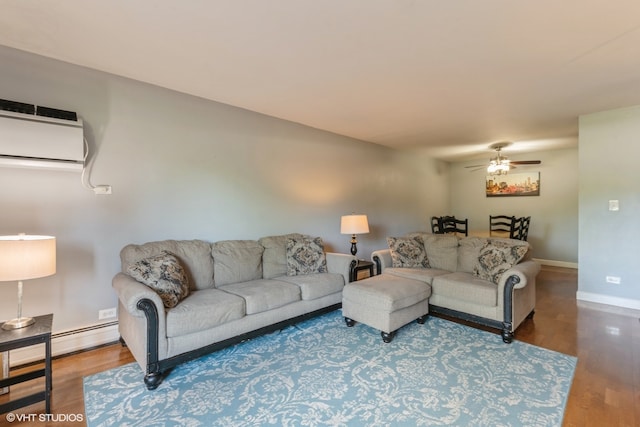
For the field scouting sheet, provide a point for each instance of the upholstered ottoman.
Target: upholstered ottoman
(385, 302)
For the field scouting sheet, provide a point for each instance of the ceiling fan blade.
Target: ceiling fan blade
(476, 166)
(525, 162)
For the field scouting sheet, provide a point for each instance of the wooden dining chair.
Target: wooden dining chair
(435, 225)
(503, 224)
(453, 225)
(523, 228)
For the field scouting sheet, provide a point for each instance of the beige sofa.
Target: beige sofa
(222, 293)
(490, 281)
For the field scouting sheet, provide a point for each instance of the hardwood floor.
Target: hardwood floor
(605, 390)
(606, 340)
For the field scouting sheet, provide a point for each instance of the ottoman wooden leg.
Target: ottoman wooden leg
(422, 319)
(349, 322)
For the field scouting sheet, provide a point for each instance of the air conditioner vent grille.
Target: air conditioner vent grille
(17, 107)
(56, 114)
(21, 107)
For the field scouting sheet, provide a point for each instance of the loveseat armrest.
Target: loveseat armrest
(382, 259)
(525, 271)
(341, 264)
(517, 277)
(130, 292)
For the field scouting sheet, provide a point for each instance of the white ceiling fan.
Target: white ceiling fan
(500, 165)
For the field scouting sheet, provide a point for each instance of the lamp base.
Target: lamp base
(18, 323)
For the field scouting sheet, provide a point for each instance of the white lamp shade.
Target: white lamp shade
(24, 257)
(354, 224)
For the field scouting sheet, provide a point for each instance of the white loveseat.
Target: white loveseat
(490, 281)
(236, 290)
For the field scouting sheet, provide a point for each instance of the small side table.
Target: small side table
(38, 333)
(362, 266)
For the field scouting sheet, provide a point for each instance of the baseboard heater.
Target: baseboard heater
(40, 137)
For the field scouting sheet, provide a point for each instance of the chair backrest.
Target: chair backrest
(435, 225)
(523, 228)
(451, 224)
(503, 224)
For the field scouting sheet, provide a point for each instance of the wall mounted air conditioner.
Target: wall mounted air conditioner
(40, 137)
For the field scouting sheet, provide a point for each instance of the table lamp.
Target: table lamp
(25, 257)
(354, 224)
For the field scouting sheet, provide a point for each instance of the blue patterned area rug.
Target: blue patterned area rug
(320, 372)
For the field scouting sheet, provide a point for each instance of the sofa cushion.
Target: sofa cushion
(164, 274)
(424, 274)
(442, 251)
(468, 253)
(305, 255)
(236, 261)
(408, 252)
(194, 256)
(204, 310)
(313, 286)
(274, 258)
(264, 294)
(466, 287)
(497, 256)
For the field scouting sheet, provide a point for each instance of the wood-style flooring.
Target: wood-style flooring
(606, 340)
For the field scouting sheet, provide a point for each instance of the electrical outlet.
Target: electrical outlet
(107, 313)
(615, 280)
(102, 189)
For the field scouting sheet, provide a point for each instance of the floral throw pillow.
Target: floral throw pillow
(496, 257)
(408, 252)
(305, 255)
(164, 274)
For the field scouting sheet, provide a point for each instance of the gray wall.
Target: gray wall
(182, 167)
(554, 214)
(609, 153)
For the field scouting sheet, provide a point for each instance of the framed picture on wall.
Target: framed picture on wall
(513, 184)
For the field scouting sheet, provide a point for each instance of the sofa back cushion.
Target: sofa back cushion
(236, 261)
(194, 256)
(274, 258)
(441, 249)
(468, 253)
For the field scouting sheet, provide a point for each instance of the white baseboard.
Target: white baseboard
(553, 263)
(68, 342)
(608, 300)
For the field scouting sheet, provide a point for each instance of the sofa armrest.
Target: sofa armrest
(517, 277)
(130, 292)
(525, 271)
(341, 264)
(382, 259)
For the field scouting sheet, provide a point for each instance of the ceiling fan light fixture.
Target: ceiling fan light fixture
(498, 166)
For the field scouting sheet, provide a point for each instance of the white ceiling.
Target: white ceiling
(452, 76)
